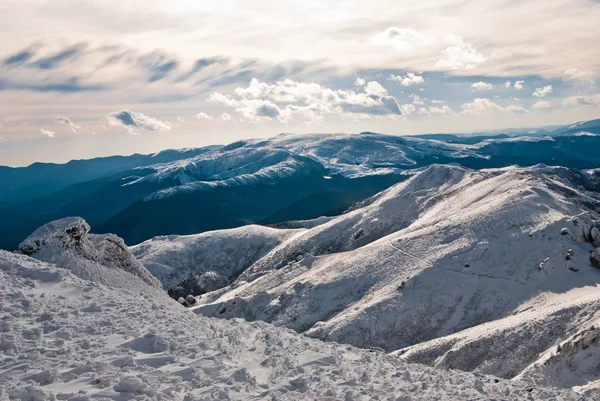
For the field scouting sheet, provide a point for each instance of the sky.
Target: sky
(83, 78)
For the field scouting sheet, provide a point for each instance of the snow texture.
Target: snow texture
(63, 337)
(460, 269)
(227, 252)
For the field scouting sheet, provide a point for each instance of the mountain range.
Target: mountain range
(270, 181)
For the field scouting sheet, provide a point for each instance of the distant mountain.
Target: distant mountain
(289, 177)
(38, 179)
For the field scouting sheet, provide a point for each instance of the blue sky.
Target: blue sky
(80, 78)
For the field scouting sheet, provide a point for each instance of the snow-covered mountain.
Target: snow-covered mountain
(65, 337)
(474, 270)
(288, 177)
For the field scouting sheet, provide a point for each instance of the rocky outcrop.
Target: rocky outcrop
(71, 235)
(595, 258)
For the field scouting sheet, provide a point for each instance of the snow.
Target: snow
(67, 243)
(227, 252)
(448, 251)
(140, 344)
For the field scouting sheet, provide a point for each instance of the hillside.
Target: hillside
(465, 249)
(64, 337)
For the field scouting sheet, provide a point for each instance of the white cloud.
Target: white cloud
(359, 82)
(133, 122)
(417, 99)
(68, 122)
(408, 109)
(542, 104)
(435, 101)
(583, 100)
(403, 39)
(519, 84)
(541, 92)
(204, 116)
(507, 84)
(225, 117)
(574, 74)
(409, 79)
(374, 88)
(483, 106)
(460, 56)
(48, 133)
(480, 86)
(287, 99)
(444, 110)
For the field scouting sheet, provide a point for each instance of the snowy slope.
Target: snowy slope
(63, 337)
(226, 252)
(449, 250)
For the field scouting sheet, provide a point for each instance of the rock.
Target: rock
(190, 299)
(595, 236)
(565, 231)
(595, 258)
(71, 236)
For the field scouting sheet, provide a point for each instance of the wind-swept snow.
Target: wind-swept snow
(448, 250)
(63, 337)
(173, 258)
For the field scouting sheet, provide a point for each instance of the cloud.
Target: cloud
(159, 65)
(359, 82)
(519, 85)
(48, 133)
(133, 122)
(374, 88)
(484, 106)
(480, 86)
(435, 101)
(288, 99)
(204, 116)
(542, 104)
(541, 92)
(225, 117)
(417, 99)
(459, 56)
(439, 111)
(574, 74)
(583, 100)
(409, 79)
(55, 60)
(507, 84)
(403, 39)
(19, 58)
(68, 122)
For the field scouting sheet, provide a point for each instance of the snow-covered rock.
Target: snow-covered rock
(54, 348)
(68, 243)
